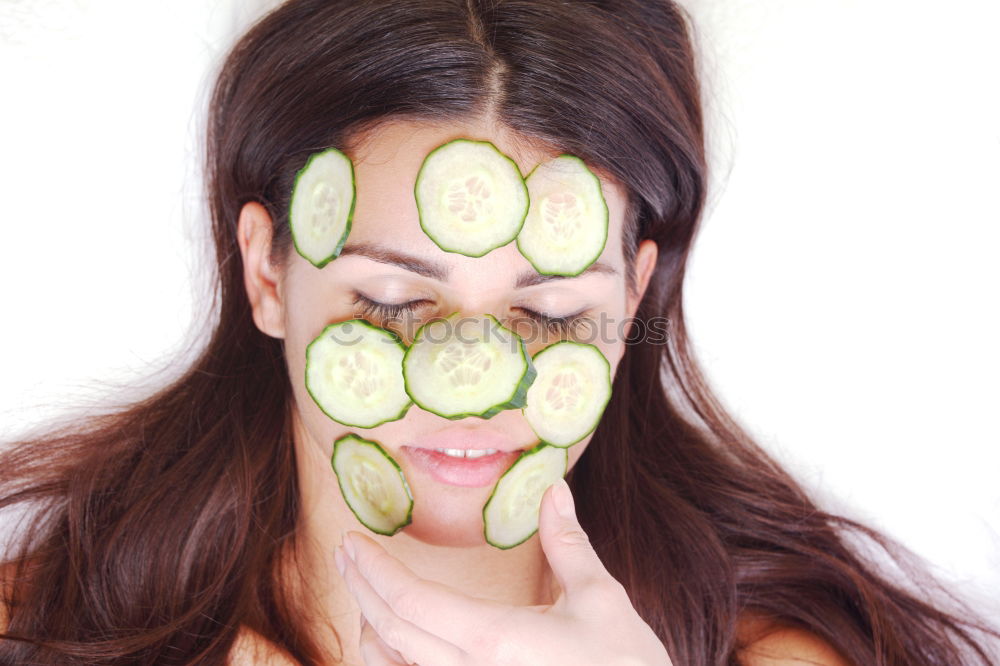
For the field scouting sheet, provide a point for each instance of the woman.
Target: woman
(204, 523)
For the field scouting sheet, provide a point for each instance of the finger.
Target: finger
(374, 650)
(413, 643)
(441, 610)
(567, 547)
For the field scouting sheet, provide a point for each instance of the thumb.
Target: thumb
(567, 547)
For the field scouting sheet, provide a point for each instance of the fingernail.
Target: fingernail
(349, 546)
(563, 498)
(338, 557)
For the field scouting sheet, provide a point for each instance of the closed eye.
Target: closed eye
(383, 313)
(565, 325)
(369, 308)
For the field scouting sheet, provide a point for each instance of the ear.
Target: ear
(260, 277)
(645, 262)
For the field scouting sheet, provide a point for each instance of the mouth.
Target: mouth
(464, 457)
(466, 453)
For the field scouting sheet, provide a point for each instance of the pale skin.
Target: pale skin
(433, 588)
(436, 593)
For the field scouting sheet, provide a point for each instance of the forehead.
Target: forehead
(388, 157)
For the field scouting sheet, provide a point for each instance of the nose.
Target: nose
(484, 284)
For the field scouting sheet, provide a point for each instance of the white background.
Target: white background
(843, 290)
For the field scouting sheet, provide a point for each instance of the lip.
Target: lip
(463, 472)
(465, 439)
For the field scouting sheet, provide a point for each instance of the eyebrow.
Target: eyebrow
(531, 278)
(408, 262)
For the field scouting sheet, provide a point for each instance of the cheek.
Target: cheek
(608, 332)
(319, 427)
(309, 309)
(612, 346)
(300, 330)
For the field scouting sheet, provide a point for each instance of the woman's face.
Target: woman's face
(393, 275)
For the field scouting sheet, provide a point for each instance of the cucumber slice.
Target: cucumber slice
(372, 484)
(322, 206)
(469, 366)
(353, 372)
(567, 223)
(569, 395)
(510, 515)
(471, 198)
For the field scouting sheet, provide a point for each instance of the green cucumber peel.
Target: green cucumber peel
(321, 258)
(512, 190)
(590, 372)
(391, 473)
(328, 403)
(520, 379)
(496, 518)
(531, 239)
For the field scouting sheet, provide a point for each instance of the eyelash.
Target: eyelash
(382, 311)
(563, 326)
(370, 308)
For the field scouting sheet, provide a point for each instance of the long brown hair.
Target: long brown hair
(157, 530)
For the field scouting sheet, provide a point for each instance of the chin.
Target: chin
(446, 516)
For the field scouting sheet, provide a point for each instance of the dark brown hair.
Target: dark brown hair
(156, 530)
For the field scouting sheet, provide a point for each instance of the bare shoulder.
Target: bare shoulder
(779, 645)
(252, 649)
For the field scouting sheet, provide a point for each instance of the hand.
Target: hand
(410, 620)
